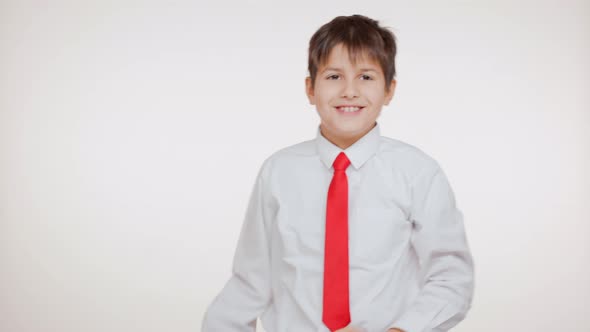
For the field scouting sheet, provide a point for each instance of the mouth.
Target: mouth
(349, 109)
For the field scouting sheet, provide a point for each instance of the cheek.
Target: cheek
(326, 92)
(376, 97)
(324, 101)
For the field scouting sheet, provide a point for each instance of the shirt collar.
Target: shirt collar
(359, 152)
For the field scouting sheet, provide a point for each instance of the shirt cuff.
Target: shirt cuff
(418, 319)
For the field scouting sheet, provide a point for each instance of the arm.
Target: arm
(248, 292)
(447, 271)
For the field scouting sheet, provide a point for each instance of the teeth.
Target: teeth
(349, 109)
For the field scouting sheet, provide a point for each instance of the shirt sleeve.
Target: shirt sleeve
(446, 264)
(247, 293)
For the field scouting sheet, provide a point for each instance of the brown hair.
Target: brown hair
(361, 35)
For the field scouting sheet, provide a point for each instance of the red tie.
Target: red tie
(336, 313)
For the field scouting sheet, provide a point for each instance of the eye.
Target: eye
(367, 77)
(329, 77)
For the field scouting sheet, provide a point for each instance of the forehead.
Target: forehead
(339, 57)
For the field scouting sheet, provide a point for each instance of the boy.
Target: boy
(351, 231)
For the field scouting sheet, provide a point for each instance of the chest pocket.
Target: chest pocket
(378, 234)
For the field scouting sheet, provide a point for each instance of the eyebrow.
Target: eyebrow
(338, 69)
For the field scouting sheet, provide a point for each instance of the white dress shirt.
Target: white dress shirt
(409, 260)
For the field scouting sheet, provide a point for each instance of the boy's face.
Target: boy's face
(340, 83)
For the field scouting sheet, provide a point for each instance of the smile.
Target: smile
(349, 109)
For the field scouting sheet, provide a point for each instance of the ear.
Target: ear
(391, 92)
(309, 90)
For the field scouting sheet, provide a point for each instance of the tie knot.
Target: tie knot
(341, 162)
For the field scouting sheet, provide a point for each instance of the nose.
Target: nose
(350, 89)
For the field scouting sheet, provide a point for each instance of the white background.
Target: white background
(131, 133)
